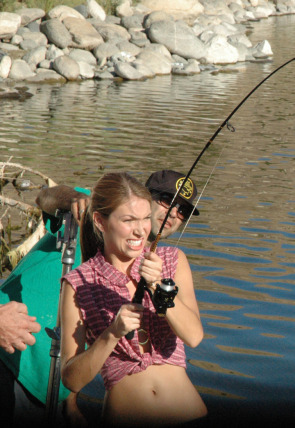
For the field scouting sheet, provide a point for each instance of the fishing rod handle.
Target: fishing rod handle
(139, 292)
(137, 298)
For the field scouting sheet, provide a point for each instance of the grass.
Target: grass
(10, 6)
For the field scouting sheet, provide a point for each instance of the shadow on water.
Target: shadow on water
(241, 248)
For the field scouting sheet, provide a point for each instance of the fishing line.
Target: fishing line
(204, 187)
(139, 293)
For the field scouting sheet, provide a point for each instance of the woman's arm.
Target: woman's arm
(80, 366)
(184, 318)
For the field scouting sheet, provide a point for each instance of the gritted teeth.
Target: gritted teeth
(135, 242)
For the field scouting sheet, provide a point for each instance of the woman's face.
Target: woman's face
(126, 230)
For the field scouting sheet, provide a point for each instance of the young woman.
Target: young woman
(145, 377)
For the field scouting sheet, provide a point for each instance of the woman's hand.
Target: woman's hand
(127, 319)
(151, 268)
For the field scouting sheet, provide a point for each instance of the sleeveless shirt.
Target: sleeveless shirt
(100, 291)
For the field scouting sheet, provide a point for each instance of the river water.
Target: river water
(241, 247)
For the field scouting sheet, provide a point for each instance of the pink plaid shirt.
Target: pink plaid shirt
(101, 291)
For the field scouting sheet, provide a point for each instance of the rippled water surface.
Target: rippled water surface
(242, 247)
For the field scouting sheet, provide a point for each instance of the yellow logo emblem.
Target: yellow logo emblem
(188, 188)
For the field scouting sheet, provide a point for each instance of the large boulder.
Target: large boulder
(62, 12)
(67, 67)
(5, 65)
(178, 38)
(180, 9)
(56, 33)
(219, 51)
(20, 70)
(83, 34)
(9, 24)
(126, 71)
(95, 10)
(30, 14)
(110, 31)
(155, 61)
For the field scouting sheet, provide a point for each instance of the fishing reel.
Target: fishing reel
(164, 295)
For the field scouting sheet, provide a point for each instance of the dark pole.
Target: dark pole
(68, 245)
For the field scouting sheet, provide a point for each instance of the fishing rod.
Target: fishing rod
(139, 293)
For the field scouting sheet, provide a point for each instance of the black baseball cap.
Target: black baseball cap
(168, 181)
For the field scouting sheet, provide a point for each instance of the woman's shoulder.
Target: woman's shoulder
(81, 274)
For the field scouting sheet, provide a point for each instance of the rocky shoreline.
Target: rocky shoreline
(152, 38)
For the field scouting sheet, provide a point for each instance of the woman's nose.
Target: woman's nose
(139, 228)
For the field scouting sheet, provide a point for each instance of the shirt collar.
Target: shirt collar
(112, 274)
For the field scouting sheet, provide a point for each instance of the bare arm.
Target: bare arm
(64, 198)
(184, 318)
(79, 367)
(16, 327)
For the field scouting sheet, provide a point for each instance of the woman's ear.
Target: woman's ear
(98, 220)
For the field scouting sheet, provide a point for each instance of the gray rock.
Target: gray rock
(262, 50)
(110, 31)
(34, 26)
(86, 70)
(56, 33)
(158, 48)
(188, 69)
(16, 40)
(22, 30)
(111, 19)
(62, 12)
(47, 64)
(46, 76)
(53, 52)
(67, 67)
(9, 24)
(81, 8)
(35, 56)
(27, 45)
(139, 38)
(129, 48)
(20, 70)
(5, 65)
(30, 14)
(242, 51)
(124, 9)
(158, 63)
(219, 51)
(83, 56)
(105, 50)
(126, 71)
(184, 9)
(95, 10)
(122, 57)
(178, 38)
(8, 47)
(134, 21)
(240, 38)
(39, 38)
(84, 35)
(103, 75)
(158, 15)
(143, 68)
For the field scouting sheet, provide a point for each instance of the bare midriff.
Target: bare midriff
(159, 395)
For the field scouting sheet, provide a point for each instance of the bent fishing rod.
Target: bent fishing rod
(139, 293)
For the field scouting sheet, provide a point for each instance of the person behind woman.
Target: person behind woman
(145, 377)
